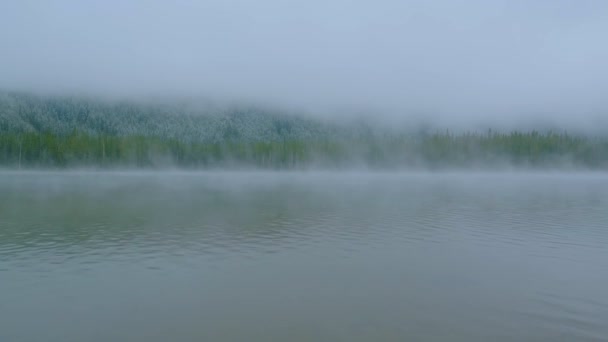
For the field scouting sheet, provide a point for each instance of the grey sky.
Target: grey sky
(448, 58)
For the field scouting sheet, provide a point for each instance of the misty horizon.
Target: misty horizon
(460, 63)
(303, 170)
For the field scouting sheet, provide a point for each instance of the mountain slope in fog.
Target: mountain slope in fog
(40, 131)
(62, 115)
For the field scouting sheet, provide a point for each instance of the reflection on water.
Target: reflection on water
(303, 257)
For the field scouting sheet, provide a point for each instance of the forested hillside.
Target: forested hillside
(59, 132)
(21, 112)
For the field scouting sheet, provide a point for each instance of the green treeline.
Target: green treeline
(439, 150)
(83, 150)
(63, 131)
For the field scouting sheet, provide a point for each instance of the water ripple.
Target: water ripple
(525, 251)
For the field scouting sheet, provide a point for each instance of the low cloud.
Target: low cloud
(457, 62)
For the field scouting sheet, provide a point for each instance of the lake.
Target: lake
(321, 256)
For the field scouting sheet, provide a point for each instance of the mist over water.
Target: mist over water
(328, 256)
(396, 235)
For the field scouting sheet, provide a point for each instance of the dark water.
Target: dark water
(303, 257)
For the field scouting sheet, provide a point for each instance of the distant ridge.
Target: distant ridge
(59, 131)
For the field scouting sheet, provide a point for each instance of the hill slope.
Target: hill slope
(38, 131)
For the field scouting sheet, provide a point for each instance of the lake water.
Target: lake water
(242, 256)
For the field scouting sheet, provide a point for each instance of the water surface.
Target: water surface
(303, 257)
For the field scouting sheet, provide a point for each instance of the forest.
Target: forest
(64, 132)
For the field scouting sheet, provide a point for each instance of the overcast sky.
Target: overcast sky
(448, 58)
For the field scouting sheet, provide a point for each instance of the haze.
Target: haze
(456, 61)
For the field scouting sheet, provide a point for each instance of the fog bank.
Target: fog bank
(456, 62)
